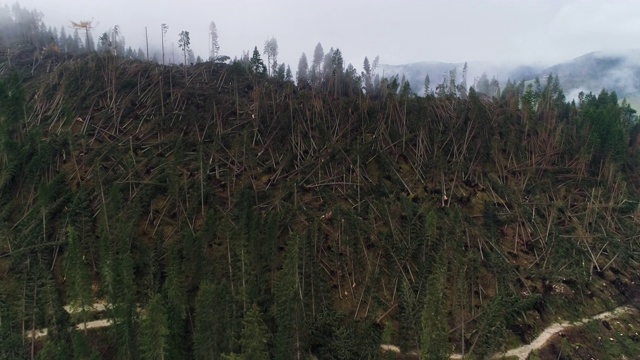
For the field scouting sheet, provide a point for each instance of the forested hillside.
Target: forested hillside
(219, 212)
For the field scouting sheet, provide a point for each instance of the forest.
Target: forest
(222, 210)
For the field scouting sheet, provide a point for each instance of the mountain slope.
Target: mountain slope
(250, 214)
(592, 72)
(619, 72)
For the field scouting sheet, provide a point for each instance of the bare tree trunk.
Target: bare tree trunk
(146, 37)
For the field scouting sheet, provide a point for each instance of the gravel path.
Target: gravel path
(96, 324)
(523, 351)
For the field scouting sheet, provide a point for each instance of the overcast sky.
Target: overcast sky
(399, 31)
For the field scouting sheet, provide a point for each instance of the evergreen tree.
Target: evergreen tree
(271, 50)
(215, 322)
(255, 336)
(177, 304)
(256, 65)
(81, 347)
(427, 83)
(288, 76)
(184, 42)
(154, 329)
(117, 272)
(315, 74)
(280, 74)
(78, 277)
(325, 79)
(462, 87)
(214, 47)
(318, 57)
(435, 343)
(337, 64)
(303, 71)
(371, 80)
(62, 40)
(482, 85)
(289, 337)
(366, 75)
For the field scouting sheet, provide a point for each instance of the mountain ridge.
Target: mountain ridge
(590, 72)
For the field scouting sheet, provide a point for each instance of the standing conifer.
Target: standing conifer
(289, 337)
(78, 278)
(256, 64)
(214, 321)
(214, 47)
(303, 71)
(435, 343)
(255, 336)
(154, 329)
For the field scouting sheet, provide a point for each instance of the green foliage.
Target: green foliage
(334, 336)
(11, 340)
(254, 339)
(154, 329)
(256, 64)
(78, 277)
(82, 348)
(215, 322)
(608, 128)
(289, 337)
(501, 312)
(434, 342)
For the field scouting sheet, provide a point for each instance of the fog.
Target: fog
(403, 31)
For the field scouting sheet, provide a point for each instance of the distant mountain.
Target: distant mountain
(592, 72)
(619, 72)
(415, 73)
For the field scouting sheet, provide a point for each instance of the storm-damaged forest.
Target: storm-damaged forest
(222, 210)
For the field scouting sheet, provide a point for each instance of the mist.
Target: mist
(400, 32)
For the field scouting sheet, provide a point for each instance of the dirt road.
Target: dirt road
(523, 351)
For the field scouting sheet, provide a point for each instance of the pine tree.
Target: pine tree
(214, 47)
(255, 336)
(271, 50)
(78, 277)
(302, 76)
(256, 65)
(154, 329)
(287, 308)
(215, 321)
(427, 83)
(183, 43)
(316, 65)
(435, 343)
(337, 63)
(288, 75)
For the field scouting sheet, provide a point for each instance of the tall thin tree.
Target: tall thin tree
(184, 43)
(271, 50)
(146, 38)
(163, 28)
(214, 47)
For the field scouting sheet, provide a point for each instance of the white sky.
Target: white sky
(399, 31)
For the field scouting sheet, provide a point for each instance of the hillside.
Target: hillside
(221, 211)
